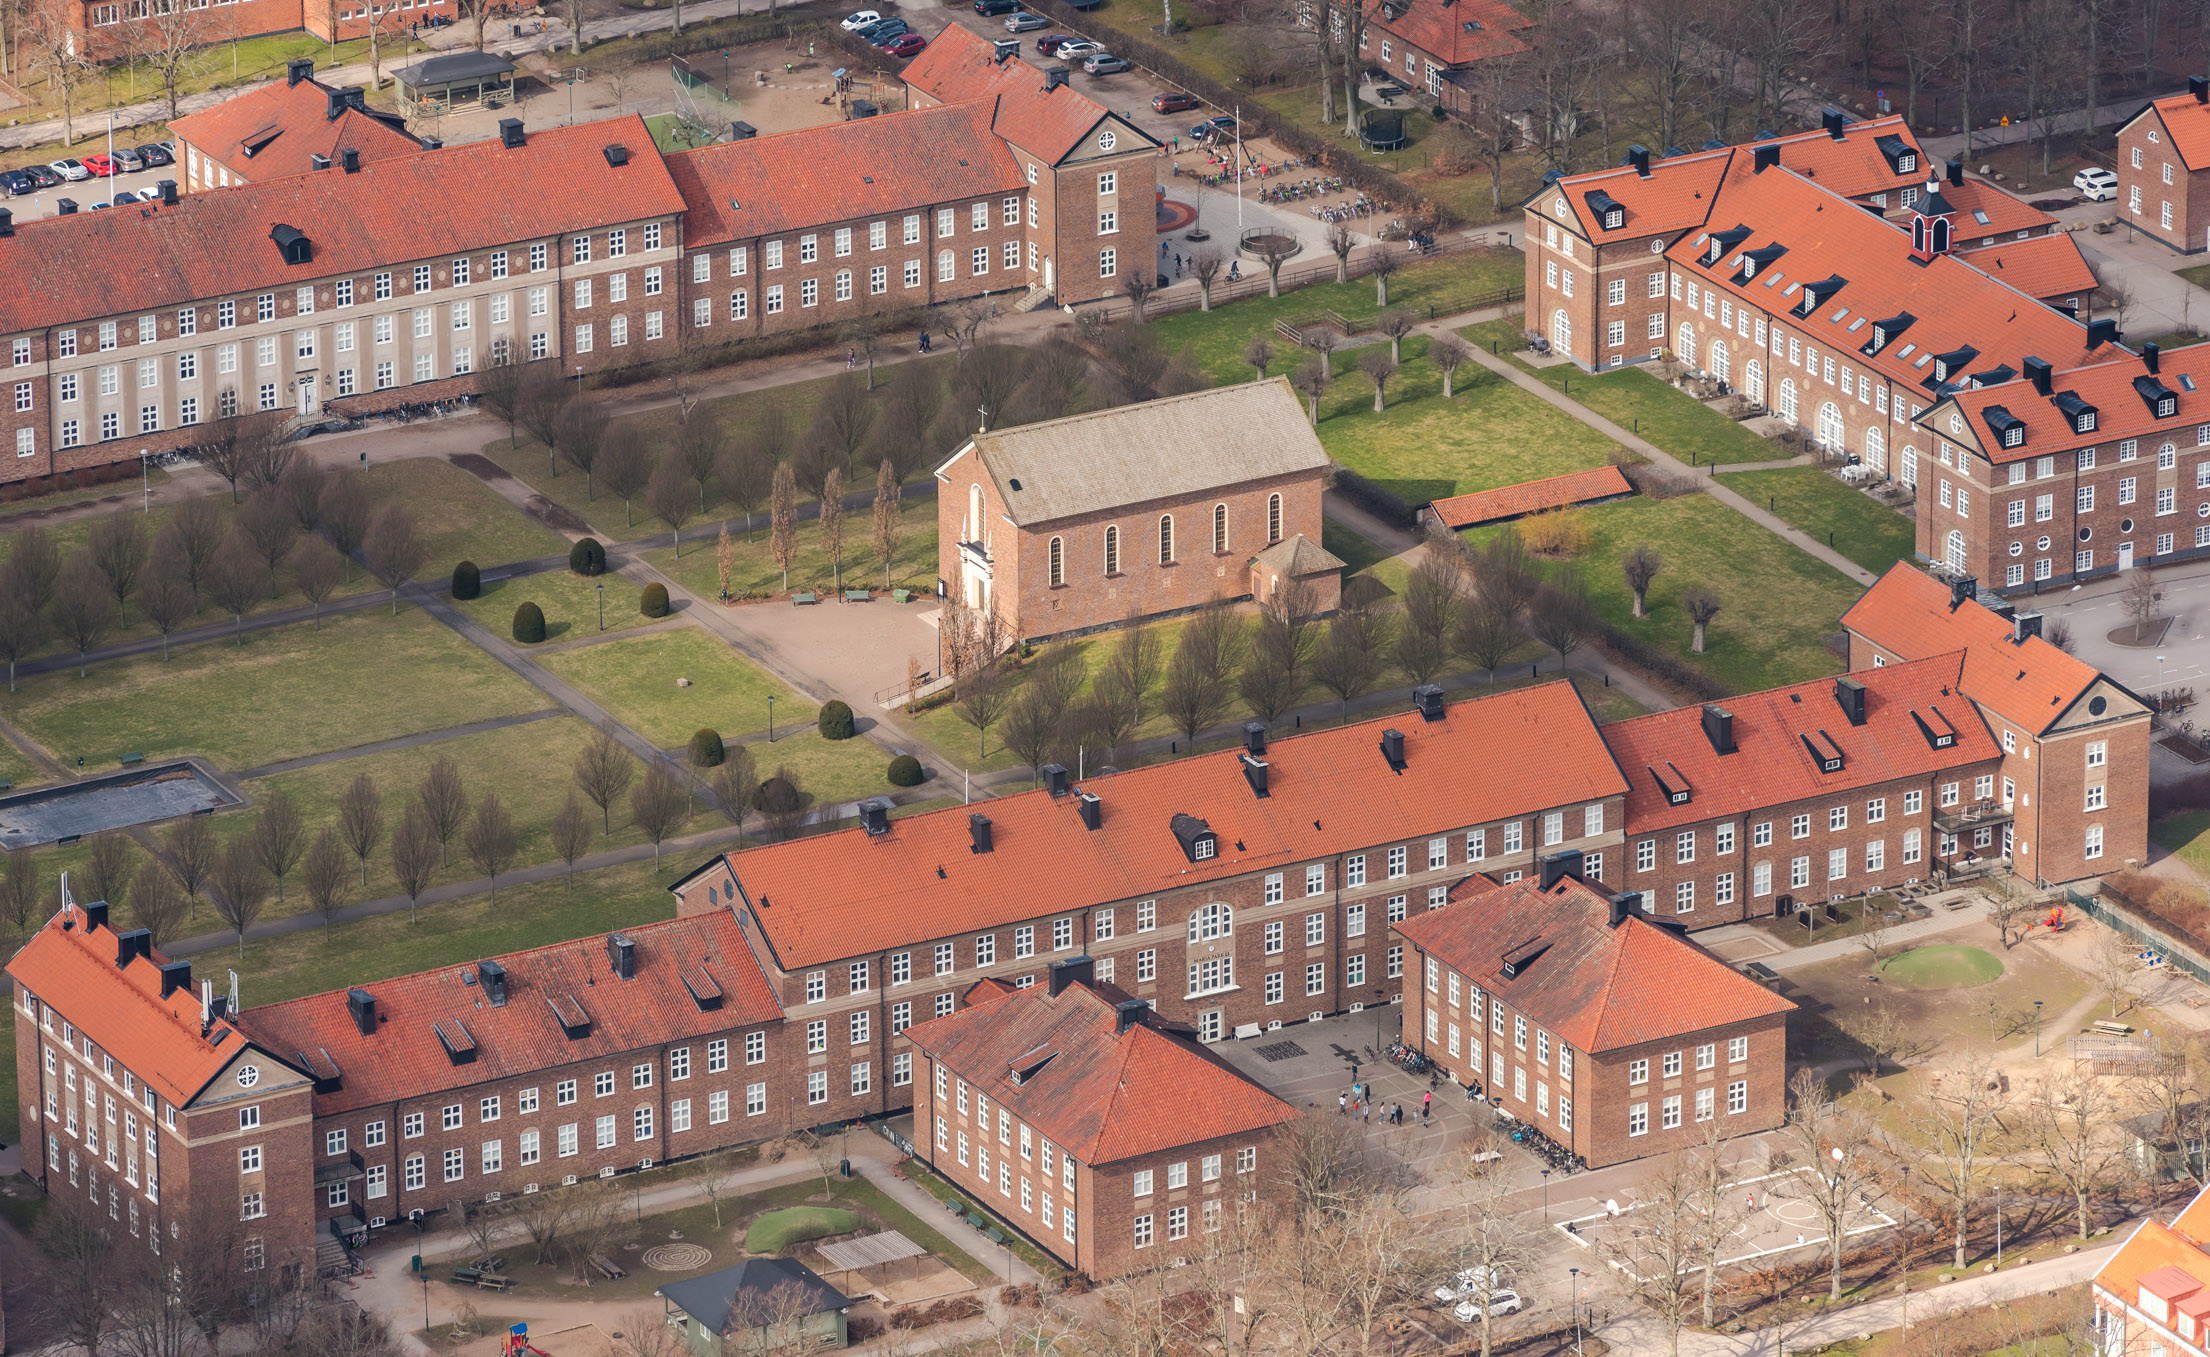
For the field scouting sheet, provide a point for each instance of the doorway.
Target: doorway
(308, 405)
(2125, 556)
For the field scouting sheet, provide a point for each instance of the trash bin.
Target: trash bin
(415, 1264)
(845, 1168)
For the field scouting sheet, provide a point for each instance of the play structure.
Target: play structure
(518, 1344)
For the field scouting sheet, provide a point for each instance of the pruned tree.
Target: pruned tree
(443, 798)
(241, 886)
(328, 877)
(783, 802)
(190, 848)
(490, 840)
(361, 819)
(1378, 368)
(1259, 353)
(1311, 381)
(658, 806)
(1205, 266)
(1273, 250)
(604, 771)
(415, 853)
(1341, 241)
(1323, 341)
(1702, 605)
(393, 551)
(1396, 323)
(156, 904)
(1383, 265)
(1641, 565)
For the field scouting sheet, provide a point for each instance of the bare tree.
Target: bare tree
(832, 522)
(580, 428)
(735, 782)
(544, 1217)
(242, 887)
(1657, 1248)
(1831, 1143)
(699, 442)
(1311, 380)
(1874, 939)
(20, 892)
(2111, 963)
(2074, 1119)
(415, 853)
(444, 801)
(2170, 1085)
(279, 837)
(1259, 353)
(1950, 1133)
(176, 37)
(659, 806)
(345, 515)
(499, 388)
(190, 846)
(782, 531)
(393, 551)
(316, 568)
(491, 840)
(1379, 368)
(1030, 728)
(1273, 251)
(670, 496)
(1562, 615)
(23, 630)
(361, 819)
(1641, 565)
(624, 467)
(34, 566)
(1701, 605)
(1341, 241)
(2142, 600)
(1449, 353)
(118, 548)
(83, 611)
(540, 398)
(79, 1273)
(983, 694)
(1348, 661)
(571, 832)
(604, 770)
(156, 904)
(888, 494)
(1323, 341)
(742, 475)
(1383, 265)
(328, 877)
(783, 802)
(1135, 662)
(1205, 266)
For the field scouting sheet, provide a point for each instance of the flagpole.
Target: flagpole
(1238, 167)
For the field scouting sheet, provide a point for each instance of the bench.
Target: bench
(995, 1236)
(607, 1267)
(857, 596)
(466, 1276)
(2112, 1029)
(901, 596)
(132, 757)
(800, 600)
(491, 1283)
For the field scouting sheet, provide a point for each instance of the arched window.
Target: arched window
(1112, 551)
(974, 512)
(1058, 561)
(1211, 921)
(1753, 381)
(1830, 425)
(1909, 474)
(1219, 529)
(1876, 448)
(1561, 332)
(1166, 539)
(1956, 550)
(1788, 399)
(1686, 347)
(1273, 519)
(1721, 365)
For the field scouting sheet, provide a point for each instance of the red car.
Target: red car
(1173, 103)
(908, 46)
(1051, 42)
(99, 164)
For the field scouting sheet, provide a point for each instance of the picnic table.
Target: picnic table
(607, 1267)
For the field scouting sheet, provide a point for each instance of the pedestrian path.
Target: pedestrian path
(1896, 936)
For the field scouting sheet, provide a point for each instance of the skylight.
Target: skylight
(1905, 351)
(1979, 216)
(2186, 382)
(1841, 314)
(1857, 324)
(1923, 360)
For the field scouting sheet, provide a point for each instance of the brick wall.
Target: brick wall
(2188, 194)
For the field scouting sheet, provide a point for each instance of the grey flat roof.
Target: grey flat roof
(458, 66)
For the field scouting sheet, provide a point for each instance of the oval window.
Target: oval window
(2096, 706)
(2126, 526)
(2041, 544)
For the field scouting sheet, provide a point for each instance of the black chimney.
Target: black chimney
(350, 160)
(1556, 867)
(1639, 157)
(175, 975)
(1962, 591)
(2199, 86)
(1254, 772)
(1092, 810)
(1719, 729)
(362, 1005)
(1765, 158)
(136, 943)
(1955, 170)
(65, 207)
(978, 828)
(1127, 1013)
(1392, 749)
(492, 976)
(621, 956)
(2039, 373)
(1428, 697)
(874, 814)
(1624, 904)
(7, 222)
(1851, 695)
(1055, 778)
(1834, 120)
(2024, 626)
(296, 71)
(95, 915)
(510, 132)
(2148, 355)
(2101, 332)
(1079, 970)
(1254, 737)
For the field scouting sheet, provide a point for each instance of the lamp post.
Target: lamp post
(1576, 1307)
(145, 480)
(1546, 1196)
(2037, 1027)
(421, 1271)
(1998, 1223)
(602, 605)
(771, 718)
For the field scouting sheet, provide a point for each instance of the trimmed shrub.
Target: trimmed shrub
(1382, 504)
(587, 557)
(653, 602)
(529, 624)
(836, 721)
(467, 580)
(706, 749)
(905, 771)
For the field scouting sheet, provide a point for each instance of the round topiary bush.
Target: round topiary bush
(836, 721)
(467, 580)
(587, 557)
(654, 601)
(905, 771)
(706, 748)
(529, 624)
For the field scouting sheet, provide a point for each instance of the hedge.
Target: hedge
(653, 602)
(835, 722)
(706, 748)
(529, 624)
(467, 580)
(1383, 504)
(1666, 666)
(905, 771)
(587, 557)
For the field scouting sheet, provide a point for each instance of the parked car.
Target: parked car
(867, 31)
(1052, 42)
(44, 176)
(991, 9)
(71, 170)
(1074, 49)
(1104, 63)
(99, 164)
(1467, 1284)
(2096, 185)
(1025, 22)
(888, 36)
(18, 183)
(859, 20)
(1222, 126)
(156, 155)
(1175, 102)
(128, 161)
(908, 45)
(126, 196)
(886, 31)
(1500, 1303)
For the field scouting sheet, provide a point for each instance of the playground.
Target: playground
(1768, 1215)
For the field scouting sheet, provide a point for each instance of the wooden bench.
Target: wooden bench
(995, 1236)
(857, 596)
(132, 757)
(466, 1276)
(2112, 1029)
(491, 1283)
(800, 600)
(607, 1266)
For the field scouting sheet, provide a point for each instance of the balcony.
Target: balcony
(1978, 815)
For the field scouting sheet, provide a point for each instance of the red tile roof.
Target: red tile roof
(1456, 32)
(2050, 266)
(420, 206)
(2006, 216)
(1049, 124)
(277, 130)
(680, 963)
(2121, 411)
(1599, 986)
(121, 1010)
(1907, 613)
(1552, 492)
(1058, 1063)
(898, 162)
(2168, 1260)
(2187, 123)
(849, 893)
(1773, 764)
(1674, 196)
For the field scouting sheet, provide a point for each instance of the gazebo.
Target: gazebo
(456, 81)
(870, 1251)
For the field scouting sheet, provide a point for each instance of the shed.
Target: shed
(771, 1303)
(456, 81)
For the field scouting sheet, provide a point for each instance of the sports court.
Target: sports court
(1782, 1220)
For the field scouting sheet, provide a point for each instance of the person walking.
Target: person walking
(1427, 1101)
(1342, 1103)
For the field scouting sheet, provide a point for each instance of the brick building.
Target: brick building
(293, 126)
(1128, 1143)
(2163, 168)
(1798, 795)
(2073, 782)
(2152, 1298)
(110, 29)
(1433, 45)
(1610, 1032)
(1069, 525)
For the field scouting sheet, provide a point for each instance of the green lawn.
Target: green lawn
(19, 771)
(635, 680)
(777, 1231)
(1777, 601)
(570, 603)
(289, 691)
(2187, 835)
(754, 573)
(124, 491)
(833, 772)
(1861, 527)
(458, 517)
(1636, 401)
(1945, 966)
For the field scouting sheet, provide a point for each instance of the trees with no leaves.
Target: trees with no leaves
(23, 630)
(782, 529)
(888, 495)
(2074, 1120)
(393, 550)
(328, 877)
(1259, 353)
(118, 548)
(1950, 1135)
(190, 845)
(415, 852)
(1832, 1142)
(361, 819)
(156, 904)
(832, 522)
(984, 692)
(19, 890)
(571, 832)
(735, 782)
(1311, 381)
(108, 866)
(443, 800)
(670, 495)
(604, 771)
(1348, 661)
(1701, 605)
(1640, 565)
(241, 886)
(346, 510)
(659, 806)
(279, 837)
(233, 581)
(491, 840)
(1449, 353)
(1563, 614)
(1378, 367)
(580, 428)
(316, 568)
(83, 611)
(624, 467)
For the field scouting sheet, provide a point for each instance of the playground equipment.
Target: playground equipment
(518, 1344)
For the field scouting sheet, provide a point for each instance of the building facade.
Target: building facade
(1611, 1033)
(1070, 525)
(2163, 169)
(292, 126)
(2152, 1299)
(1433, 46)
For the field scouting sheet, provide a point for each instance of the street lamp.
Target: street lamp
(145, 478)
(602, 605)
(2037, 1027)
(1576, 1307)
(1998, 1223)
(771, 718)
(1546, 1196)
(423, 1272)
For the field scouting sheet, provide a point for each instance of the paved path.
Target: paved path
(1728, 469)
(1789, 957)
(403, 742)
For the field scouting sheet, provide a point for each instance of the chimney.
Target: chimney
(492, 976)
(318, 161)
(1851, 695)
(7, 222)
(1624, 904)
(433, 143)
(95, 915)
(978, 829)
(350, 159)
(296, 71)
(1428, 698)
(1955, 170)
(1054, 78)
(2101, 332)
(136, 943)
(2023, 626)
(2199, 86)
(1962, 591)
(1639, 157)
(617, 156)
(1556, 867)
(1127, 1013)
(510, 132)
(1092, 810)
(1254, 772)
(1766, 157)
(334, 105)
(1719, 729)
(362, 1005)
(1254, 737)
(175, 975)
(356, 97)
(2039, 373)
(742, 131)
(1078, 970)
(168, 192)
(65, 207)
(874, 815)
(621, 956)
(1392, 749)
(1055, 779)
(1833, 120)
(2149, 356)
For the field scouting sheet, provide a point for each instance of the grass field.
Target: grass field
(1946, 966)
(570, 603)
(635, 680)
(754, 573)
(776, 1231)
(458, 517)
(2186, 835)
(283, 693)
(1861, 527)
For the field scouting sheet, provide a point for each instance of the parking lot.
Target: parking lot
(85, 192)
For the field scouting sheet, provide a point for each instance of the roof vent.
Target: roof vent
(1556, 867)
(1624, 904)
(1055, 779)
(168, 192)
(617, 156)
(510, 133)
(1254, 772)
(1851, 695)
(1128, 1013)
(1092, 810)
(1392, 749)
(132, 945)
(296, 71)
(1196, 837)
(293, 242)
(350, 160)
(177, 975)
(1003, 50)
(1962, 590)
(1719, 729)
(741, 131)
(978, 830)
(621, 956)
(318, 161)
(492, 976)
(1428, 698)
(452, 1034)
(1254, 737)
(1078, 970)
(1055, 77)
(874, 814)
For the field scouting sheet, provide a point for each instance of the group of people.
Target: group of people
(1357, 1102)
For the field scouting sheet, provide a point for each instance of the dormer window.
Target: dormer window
(2009, 430)
(2077, 413)
(1197, 839)
(1815, 294)
(1949, 366)
(1719, 242)
(1610, 213)
(2163, 402)
(1902, 157)
(1884, 332)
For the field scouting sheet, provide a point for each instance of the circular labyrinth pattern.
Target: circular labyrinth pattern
(1793, 1212)
(677, 1257)
(1174, 216)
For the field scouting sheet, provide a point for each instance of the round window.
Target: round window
(2017, 548)
(1558, 208)
(1106, 140)
(248, 1075)
(2041, 544)
(2096, 706)
(2087, 534)
(2202, 510)
(2126, 526)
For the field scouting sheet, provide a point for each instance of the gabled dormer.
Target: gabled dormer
(2009, 429)
(1757, 261)
(1719, 242)
(1931, 223)
(1950, 366)
(1884, 332)
(1815, 294)
(1994, 376)
(2077, 413)
(1610, 213)
(2163, 402)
